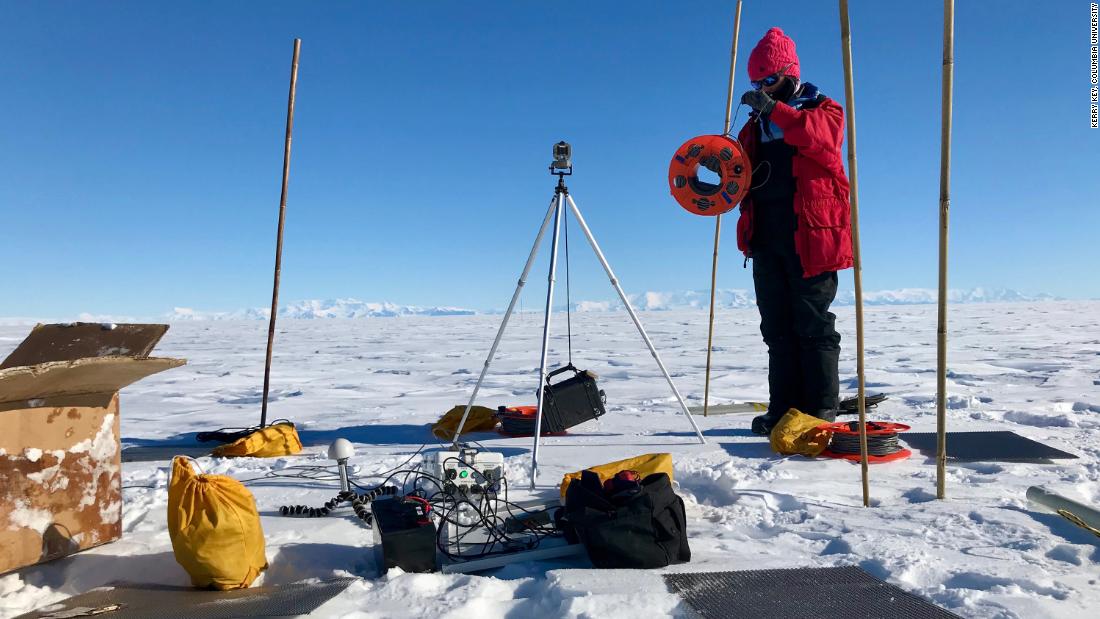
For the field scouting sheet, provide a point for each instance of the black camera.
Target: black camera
(563, 159)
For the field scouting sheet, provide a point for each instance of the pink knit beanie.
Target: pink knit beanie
(771, 54)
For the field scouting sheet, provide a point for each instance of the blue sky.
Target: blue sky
(142, 145)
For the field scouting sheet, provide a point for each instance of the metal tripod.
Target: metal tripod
(557, 210)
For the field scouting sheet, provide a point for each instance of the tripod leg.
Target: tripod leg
(558, 212)
(508, 314)
(633, 315)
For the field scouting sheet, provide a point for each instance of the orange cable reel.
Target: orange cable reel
(720, 154)
(875, 429)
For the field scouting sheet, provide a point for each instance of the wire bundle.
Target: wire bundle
(360, 503)
(517, 424)
(490, 513)
(486, 512)
(877, 444)
(882, 441)
(229, 435)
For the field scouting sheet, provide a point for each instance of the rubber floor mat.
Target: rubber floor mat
(163, 452)
(160, 602)
(996, 446)
(802, 593)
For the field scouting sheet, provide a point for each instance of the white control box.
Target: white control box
(468, 471)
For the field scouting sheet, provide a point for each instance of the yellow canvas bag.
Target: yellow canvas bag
(645, 465)
(481, 419)
(215, 528)
(799, 433)
(277, 439)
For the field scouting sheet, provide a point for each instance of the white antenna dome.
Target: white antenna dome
(340, 449)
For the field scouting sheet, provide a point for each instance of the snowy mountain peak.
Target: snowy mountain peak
(731, 298)
(317, 309)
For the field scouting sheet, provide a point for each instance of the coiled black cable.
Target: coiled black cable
(879, 444)
(360, 504)
(515, 425)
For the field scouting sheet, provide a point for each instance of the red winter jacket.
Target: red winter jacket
(823, 239)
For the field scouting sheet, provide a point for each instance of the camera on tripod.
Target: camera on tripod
(563, 159)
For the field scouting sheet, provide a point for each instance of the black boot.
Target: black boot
(763, 424)
(826, 414)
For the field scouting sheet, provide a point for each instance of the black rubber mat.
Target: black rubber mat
(164, 452)
(803, 593)
(152, 601)
(996, 446)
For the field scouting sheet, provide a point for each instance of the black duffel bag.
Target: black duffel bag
(643, 529)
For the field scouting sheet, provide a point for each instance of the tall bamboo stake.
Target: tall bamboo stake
(849, 94)
(279, 233)
(945, 208)
(718, 219)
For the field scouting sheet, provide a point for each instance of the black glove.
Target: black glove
(759, 101)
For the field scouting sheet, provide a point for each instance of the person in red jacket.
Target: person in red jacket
(795, 225)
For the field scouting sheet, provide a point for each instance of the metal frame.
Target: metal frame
(557, 211)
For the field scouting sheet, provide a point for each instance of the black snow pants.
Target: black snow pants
(799, 329)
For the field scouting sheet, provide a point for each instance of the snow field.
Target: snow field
(1033, 368)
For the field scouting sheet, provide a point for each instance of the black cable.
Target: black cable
(309, 473)
(851, 405)
(733, 123)
(493, 533)
(488, 519)
(517, 425)
(407, 460)
(359, 503)
(877, 444)
(324, 473)
(230, 434)
(483, 507)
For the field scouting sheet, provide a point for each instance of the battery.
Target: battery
(403, 536)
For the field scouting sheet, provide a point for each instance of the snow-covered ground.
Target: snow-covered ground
(1033, 368)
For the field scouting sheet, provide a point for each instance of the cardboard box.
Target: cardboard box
(60, 467)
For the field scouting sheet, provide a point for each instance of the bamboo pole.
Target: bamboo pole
(279, 233)
(945, 208)
(718, 218)
(850, 108)
(733, 64)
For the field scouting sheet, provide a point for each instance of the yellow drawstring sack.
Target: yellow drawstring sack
(277, 439)
(481, 419)
(799, 433)
(215, 529)
(645, 465)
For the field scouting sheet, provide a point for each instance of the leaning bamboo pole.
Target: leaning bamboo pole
(945, 208)
(279, 233)
(718, 218)
(850, 108)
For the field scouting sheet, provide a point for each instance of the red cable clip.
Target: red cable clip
(425, 504)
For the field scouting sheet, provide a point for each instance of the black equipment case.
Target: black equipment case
(571, 401)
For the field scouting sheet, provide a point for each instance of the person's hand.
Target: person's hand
(759, 101)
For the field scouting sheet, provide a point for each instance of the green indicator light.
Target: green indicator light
(464, 474)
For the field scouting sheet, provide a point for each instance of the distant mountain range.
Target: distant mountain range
(315, 309)
(646, 301)
(735, 298)
(729, 298)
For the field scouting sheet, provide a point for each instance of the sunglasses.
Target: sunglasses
(772, 79)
